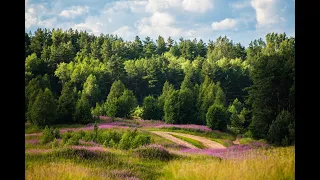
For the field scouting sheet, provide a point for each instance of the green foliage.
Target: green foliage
(166, 90)
(187, 108)
(56, 133)
(83, 112)
(126, 103)
(55, 143)
(43, 110)
(132, 139)
(137, 113)
(98, 110)
(217, 117)
(66, 105)
(280, 131)
(171, 108)
(47, 135)
(150, 108)
(91, 89)
(83, 70)
(273, 77)
(120, 101)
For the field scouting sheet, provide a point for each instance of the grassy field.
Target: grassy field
(275, 163)
(162, 158)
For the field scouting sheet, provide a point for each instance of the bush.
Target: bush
(280, 131)
(57, 133)
(47, 135)
(217, 117)
(153, 152)
(132, 139)
(140, 140)
(55, 143)
(74, 140)
(126, 139)
(71, 138)
(137, 113)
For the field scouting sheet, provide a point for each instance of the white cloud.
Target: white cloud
(161, 19)
(91, 24)
(74, 11)
(240, 4)
(32, 14)
(48, 23)
(160, 5)
(125, 31)
(225, 24)
(197, 5)
(158, 24)
(266, 12)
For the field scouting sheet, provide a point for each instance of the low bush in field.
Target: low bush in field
(55, 143)
(110, 138)
(47, 135)
(71, 138)
(153, 152)
(133, 139)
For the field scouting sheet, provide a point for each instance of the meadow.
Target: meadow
(128, 149)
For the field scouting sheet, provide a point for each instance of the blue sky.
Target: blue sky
(240, 20)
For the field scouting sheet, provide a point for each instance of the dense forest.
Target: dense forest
(72, 77)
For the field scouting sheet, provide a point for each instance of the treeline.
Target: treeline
(71, 76)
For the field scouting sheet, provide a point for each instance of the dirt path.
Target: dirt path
(174, 139)
(237, 141)
(206, 142)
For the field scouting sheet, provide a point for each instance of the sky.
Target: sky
(240, 20)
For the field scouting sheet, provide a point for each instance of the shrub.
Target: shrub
(112, 143)
(217, 117)
(137, 113)
(55, 143)
(126, 139)
(57, 133)
(153, 152)
(47, 135)
(140, 140)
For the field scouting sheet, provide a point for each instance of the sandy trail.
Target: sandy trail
(206, 142)
(174, 139)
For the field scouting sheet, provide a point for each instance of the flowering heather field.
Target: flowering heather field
(162, 159)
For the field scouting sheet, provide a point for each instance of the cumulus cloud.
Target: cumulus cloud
(158, 24)
(197, 5)
(266, 12)
(32, 13)
(91, 24)
(74, 11)
(160, 5)
(125, 31)
(225, 24)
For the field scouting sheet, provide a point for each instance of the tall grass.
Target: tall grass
(275, 163)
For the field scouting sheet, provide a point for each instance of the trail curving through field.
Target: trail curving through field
(205, 141)
(174, 139)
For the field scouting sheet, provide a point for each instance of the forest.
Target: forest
(72, 77)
